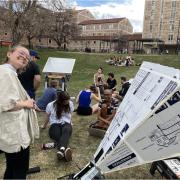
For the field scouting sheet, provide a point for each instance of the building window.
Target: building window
(150, 27)
(162, 8)
(173, 10)
(84, 27)
(173, 14)
(115, 26)
(49, 41)
(111, 26)
(160, 26)
(94, 42)
(170, 37)
(171, 21)
(87, 27)
(152, 13)
(153, 3)
(173, 4)
(153, 7)
(39, 40)
(171, 27)
(5, 33)
(97, 26)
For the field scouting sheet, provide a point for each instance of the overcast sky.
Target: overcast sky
(131, 9)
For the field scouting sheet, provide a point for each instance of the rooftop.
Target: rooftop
(101, 21)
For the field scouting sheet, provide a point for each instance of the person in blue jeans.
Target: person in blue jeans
(84, 99)
(48, 96)
(59, 115)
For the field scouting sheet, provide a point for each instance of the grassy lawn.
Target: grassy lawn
(82, 144)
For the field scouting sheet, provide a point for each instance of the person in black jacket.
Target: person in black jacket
(111, 81)
(124, 89)
(125, 86)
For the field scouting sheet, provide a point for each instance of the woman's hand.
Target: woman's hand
(29, 103)
(43, 126)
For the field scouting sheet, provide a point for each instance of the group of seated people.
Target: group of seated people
(59, 108)
(94, 92)
(99, 80)
(106, 97)
(121, 61)
(105, 106)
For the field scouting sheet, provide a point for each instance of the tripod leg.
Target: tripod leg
(33, 170)
(153, 168)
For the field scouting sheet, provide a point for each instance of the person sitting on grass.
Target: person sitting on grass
(110, 61)
(59, 114)
(111, 81)
(48, 96)
(125, 86)
(84, 99)
(106, 112)
(99, 79)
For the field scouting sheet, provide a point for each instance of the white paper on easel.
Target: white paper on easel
(59, 65)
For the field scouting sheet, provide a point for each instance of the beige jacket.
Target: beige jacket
(17, 128)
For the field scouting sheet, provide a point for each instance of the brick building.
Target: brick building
(101, 35)
(162, 24)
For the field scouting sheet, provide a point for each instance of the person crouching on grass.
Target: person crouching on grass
(59, 116)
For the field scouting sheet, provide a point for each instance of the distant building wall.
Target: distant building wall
(105, 27)
(162, 20)
(98, 35)
(95, 45)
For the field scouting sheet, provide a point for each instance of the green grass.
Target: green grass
(82, 144)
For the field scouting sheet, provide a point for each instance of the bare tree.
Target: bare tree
(35, 23)
(27, 19)
(63, 26)
(21, 19)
